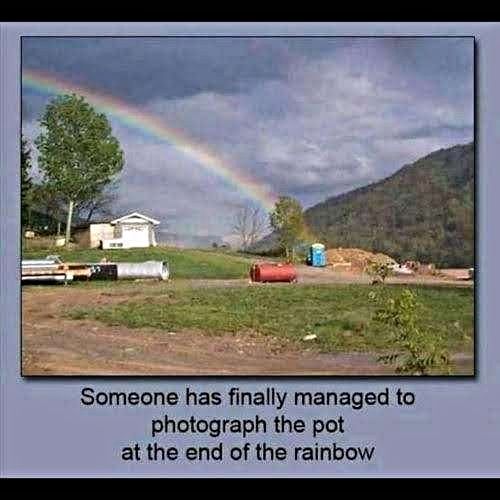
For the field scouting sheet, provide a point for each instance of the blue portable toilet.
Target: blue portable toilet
(317, 255)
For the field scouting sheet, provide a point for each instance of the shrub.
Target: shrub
(379, 271)
(418, 350)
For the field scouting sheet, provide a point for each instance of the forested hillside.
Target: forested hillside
(425, 211)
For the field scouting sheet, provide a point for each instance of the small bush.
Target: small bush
(378, 271)
(418, 350)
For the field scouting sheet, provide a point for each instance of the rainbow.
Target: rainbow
(153, 126)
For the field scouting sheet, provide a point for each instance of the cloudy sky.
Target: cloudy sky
(307, 117)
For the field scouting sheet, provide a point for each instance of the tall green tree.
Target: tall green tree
(26, 182)
(78, 155)
(287, 220)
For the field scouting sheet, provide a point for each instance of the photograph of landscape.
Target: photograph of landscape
(197, 206)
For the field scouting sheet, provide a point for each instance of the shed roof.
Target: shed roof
(136, 215)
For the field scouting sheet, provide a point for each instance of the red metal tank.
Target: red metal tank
(273, 272)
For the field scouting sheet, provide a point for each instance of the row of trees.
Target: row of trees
(78, 163)
(79, 160)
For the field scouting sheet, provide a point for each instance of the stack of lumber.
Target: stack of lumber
(52, 269)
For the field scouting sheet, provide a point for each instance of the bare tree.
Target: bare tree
(249, 224)
(101, 205)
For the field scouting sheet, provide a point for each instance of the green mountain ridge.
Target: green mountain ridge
(424, 211)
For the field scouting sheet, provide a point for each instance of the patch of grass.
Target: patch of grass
(183, 263)
(339, 315)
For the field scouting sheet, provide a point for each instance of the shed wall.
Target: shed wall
(135, 235)
(82, 237)
(100, 232)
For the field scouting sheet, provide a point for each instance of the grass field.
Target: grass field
(340, 315)
(183, 263)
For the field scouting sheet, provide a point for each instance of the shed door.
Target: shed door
(135, 235)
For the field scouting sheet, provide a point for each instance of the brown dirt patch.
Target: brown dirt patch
(54, 345)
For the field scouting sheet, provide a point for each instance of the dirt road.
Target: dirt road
(53, 345)
(309, 275)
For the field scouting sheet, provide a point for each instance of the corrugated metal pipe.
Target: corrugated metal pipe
(143, 270)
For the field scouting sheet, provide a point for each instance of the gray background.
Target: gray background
(453, 429)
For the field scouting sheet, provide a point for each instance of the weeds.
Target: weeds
(418, 349)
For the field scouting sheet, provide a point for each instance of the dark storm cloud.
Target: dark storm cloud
(306, 117)
(147, 68)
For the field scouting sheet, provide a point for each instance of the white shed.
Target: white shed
(134, 230)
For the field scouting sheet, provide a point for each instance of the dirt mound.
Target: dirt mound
(354, 259)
